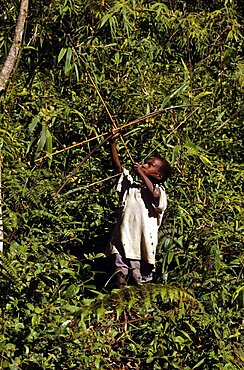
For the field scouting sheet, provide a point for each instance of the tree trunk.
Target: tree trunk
(4, 76)
(14, 50)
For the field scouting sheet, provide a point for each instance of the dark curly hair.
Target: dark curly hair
(166, 169)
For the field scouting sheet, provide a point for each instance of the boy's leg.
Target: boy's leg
(136, 271)
(121, 271)
(146, 272)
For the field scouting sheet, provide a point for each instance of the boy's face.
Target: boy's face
(152, 168)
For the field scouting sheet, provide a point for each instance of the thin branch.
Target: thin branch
(92, 184)
(230, 118)
(83, 161)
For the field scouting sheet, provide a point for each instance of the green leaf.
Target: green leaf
(176, 93)
(203, 94)
(62, 54)
(72, 308)
(67, 66)
(198, 364)
(71, 291)
(19, 326)
(42, 140)
(35, 120)
(205, 160)
(38, 310)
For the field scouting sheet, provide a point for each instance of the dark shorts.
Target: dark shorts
(137, 270)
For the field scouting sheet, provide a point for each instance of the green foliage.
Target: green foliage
(140, 56)
(39, 288)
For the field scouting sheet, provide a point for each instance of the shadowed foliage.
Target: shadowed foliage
(80, 61)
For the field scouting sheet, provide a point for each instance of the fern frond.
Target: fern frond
(142, 298)
(8, 266)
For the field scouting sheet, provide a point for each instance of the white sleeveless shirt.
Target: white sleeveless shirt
(135, 235)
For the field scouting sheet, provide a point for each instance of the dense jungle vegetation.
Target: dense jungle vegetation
(82, 65)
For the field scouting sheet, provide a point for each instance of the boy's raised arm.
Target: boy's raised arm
(114, 154)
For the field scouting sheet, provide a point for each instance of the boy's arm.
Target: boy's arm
(150, 186)
(114, 154)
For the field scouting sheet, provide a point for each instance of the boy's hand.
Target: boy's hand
(147, 181)
(138, 168)
(116, 133)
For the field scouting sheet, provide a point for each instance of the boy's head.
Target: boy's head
(157, 168)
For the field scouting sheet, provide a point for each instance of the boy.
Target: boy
(134, 239)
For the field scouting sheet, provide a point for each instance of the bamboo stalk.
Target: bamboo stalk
(101, 98)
